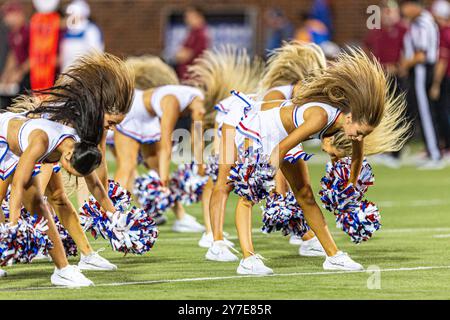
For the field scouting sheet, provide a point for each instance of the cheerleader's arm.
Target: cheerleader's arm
(357, 160)
(24, 172)
(170, 116)
(99, 192)
(102, 170)
(198, 144)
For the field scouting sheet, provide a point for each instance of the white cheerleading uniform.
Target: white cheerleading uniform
(266, 129)
(56, 133)
(232, 109)
(145, 128)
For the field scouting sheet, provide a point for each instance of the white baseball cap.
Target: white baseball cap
(46, 6)
(80, 8)
(441, 9)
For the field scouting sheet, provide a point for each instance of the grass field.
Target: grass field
(412, 251)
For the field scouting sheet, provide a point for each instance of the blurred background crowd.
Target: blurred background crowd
(411, 39)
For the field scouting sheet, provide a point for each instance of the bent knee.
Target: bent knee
(305, 196)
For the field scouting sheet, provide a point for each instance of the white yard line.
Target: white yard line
(204, 279)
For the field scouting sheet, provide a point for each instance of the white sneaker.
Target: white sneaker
(95, 262)
(70, 276)
(253, 265)
(187, 224)
(312, 248)
(207, 240)
(220, 251)
(295, 240)
(341, 261)
(3, 273)
(432, 165)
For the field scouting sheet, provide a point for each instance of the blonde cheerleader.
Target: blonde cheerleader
(351, 96)
(217, 72)
(66, 127)
(287, 67)
(149, 125)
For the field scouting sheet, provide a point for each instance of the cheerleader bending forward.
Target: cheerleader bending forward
(287, 68)
(148, 129)
(351, 96)
(70, 134)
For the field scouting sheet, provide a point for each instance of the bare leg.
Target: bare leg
(206, 197)
(67, 214)
(221, 190)
(298, 177)
(127, 151)
(244, 226)
(34, 202)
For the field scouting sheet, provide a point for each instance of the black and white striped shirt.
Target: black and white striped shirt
(423, 35)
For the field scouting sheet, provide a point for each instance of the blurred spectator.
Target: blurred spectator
(386, 43)
(3, 55)
(311, 30)
(330, 49)
(15, 76)
(321, 11)
(196, 42)
(440, 90)
(421, 44)
(82, 36)
(45, 32)
(279, 28)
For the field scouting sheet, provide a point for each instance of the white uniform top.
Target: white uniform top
(287, 91)
(184, 94)
(56, 133)
(332, 112)
(139, 124)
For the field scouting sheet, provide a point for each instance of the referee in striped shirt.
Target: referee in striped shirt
(420, 52)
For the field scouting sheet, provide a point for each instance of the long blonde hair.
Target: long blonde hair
(151, 72)
(222, 69)
(356, 83)
(293, 62)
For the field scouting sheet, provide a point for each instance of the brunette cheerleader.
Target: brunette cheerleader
(352, 95)
(66, 127)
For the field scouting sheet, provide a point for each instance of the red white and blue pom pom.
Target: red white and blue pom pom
(212, 167)
(361, 223)
(252, 176)
(129, 229)
(151, 195)
(133, 232)
(23, 242)
(358, 218)
(187, 184)
(69, 244)
(283, 213)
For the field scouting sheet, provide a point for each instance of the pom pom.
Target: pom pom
(358, 218)
(187, 185)
(252, 176)
(129, 229)
(212, 167)
(23, 242)
(336, 194)
(283, 213)
(133, 232)
(361, 223)
(69, 244)
(151, 195)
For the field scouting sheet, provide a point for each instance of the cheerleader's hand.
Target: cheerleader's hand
(201, 170)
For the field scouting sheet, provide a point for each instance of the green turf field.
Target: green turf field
(412, 251)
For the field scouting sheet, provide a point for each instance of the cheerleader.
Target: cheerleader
(351, 96)
(66, 127)
(148, 129)
(287, 68)
(115, 107)
(217, 72)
